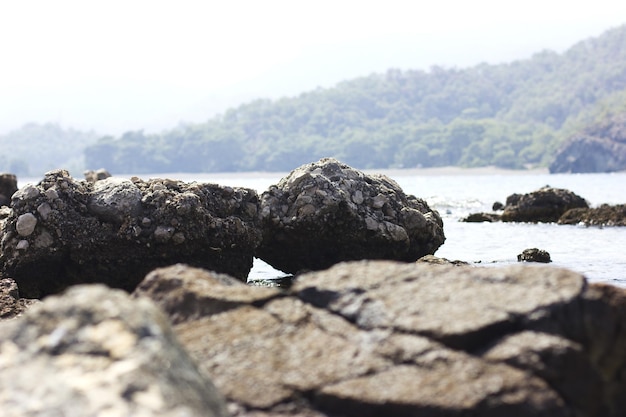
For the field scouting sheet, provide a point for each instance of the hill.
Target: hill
(511, 115)
(37, 148)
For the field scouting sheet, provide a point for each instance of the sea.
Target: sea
(599, 253)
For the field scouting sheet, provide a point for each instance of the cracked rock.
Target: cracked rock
(390, 338)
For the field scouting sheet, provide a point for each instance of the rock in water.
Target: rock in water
(382, 338)
(545, 205)
(62, 231)
(95, 352)
(327, 212)
(534, 255)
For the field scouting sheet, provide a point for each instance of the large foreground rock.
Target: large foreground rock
(327, 212)
(96, 352)
(63, 231)
(545, 205)
(381, 338)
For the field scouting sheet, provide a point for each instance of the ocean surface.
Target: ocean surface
(597, 252)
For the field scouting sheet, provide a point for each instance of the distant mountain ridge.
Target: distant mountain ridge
(512, 115)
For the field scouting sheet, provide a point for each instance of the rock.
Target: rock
(481, 218)
(497, 206)
(545, 205)
(327, 212)
(600, 148)
(11, 305)
(186, 293)
(433, 260)
(93, 176)
(95, 352)
(534, 255)
(605, 215)
(62, 232)
(390, 338)
(8, 186)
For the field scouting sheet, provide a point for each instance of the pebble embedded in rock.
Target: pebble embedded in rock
(26, 223)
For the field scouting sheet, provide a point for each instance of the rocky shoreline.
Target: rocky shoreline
(144, 308)
(552, 205)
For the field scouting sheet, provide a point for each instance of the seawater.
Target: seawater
(597, 252)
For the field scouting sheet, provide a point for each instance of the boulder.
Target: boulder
(374, 338)
(545, 205)
(534, 255)
(95, 352)
(327, 212)
(599, 148)
(62, 232)
(8, 186)
(605, 215)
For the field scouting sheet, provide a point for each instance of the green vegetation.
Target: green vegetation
(511, 115)
(35, 149)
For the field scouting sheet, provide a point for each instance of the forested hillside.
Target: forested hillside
(36, 148)
(511, 115)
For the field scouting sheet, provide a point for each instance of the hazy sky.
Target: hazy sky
(115, 65)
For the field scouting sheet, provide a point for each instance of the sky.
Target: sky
(113, 66)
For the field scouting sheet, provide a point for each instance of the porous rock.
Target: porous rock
(545, 205)
(62, 231)
(327, 212)
(387, 338)
(534, 255)
(94, 352)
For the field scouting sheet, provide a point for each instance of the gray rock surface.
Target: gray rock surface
(327, 212)
(62, 231)
(382, 338)
(545, 205)
(95, 352)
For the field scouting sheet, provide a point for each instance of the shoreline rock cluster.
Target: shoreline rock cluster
(366, 332)
(552, 205)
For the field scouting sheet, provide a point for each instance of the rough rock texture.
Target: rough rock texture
(601, 148)
(8, 186)
(545, 205)
(605, 215)
(96, 352)
(382, 338)
(11, 305)
(534, 255)
(327, 212)
(63, 232)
